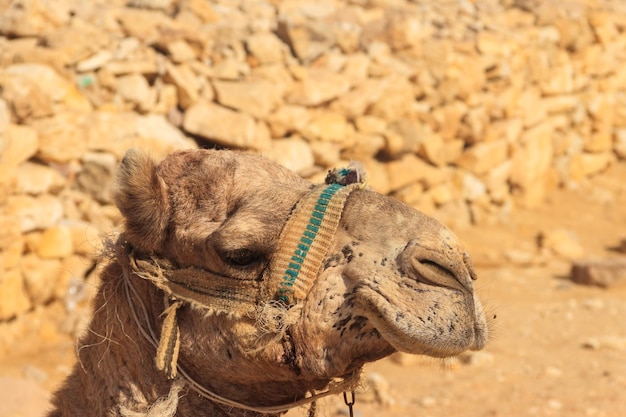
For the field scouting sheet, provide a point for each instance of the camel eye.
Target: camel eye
(242, 257)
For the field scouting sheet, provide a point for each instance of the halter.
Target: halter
(303, 244)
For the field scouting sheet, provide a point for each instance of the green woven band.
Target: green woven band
(306, 239)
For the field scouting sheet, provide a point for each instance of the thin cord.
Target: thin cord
(210, 395)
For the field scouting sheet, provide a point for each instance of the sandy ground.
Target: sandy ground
(558, 348)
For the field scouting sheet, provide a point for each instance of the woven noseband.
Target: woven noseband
(306, 239)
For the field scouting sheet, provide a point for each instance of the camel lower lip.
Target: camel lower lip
(426, 330)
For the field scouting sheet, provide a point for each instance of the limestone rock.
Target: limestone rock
(11, 242)
(185, 81)
(328, 126)
(223, 126)
(265, 47)
(62, 137)
(620, 143)
(15, 300)
(97, 176)
(32, 18)
(18, 144)
(254, 97)
(585, 164)
(482, 157)
(293, 153)
(318, 86)
(40, 278)
(602, 273)
(34, 213)
(534, 156)
(562, 242)
(325, 154)
(307, 38)
(115, 133)
(37, 179)
(396, 101)
(135, 88)
(410, 169)
(288, 119)
(55, 242)
(51, 84)
(86, 238)
(357, 101)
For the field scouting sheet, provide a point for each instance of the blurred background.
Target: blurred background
(504, 119)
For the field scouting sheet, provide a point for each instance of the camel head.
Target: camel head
(222, 239)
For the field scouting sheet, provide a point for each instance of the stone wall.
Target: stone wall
(464, 109)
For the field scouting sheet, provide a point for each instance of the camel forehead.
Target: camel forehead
(246, 174)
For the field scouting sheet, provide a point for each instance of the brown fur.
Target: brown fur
(393, 280)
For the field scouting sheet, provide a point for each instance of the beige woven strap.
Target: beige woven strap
(199, 287)
(169, 343)
(305, 241)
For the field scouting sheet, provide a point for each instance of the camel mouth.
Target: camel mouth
(430, 320)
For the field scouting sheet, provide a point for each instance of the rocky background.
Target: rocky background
(467, 110)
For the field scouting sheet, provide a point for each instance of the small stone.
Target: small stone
(365, 147)
(62, 138)
(86, 238)
(317, 86)
(180, 51)
(554, 372)
(223, 126)
(619, 145)
(377, 390)
(356, 102)
(325, 154)
(254, 97)
(427, 402)
(15, 300)
(370, 124)
(602, 273)
(41, 278)
(482, 157)
(307, 38)
(34, 213)
(267, 48)
(471, 187)
(135, 88)
(19, 144)
(97, 176)
(534, 155)
(481, 358)
(328, 126)
(34, 179)
(585, 164)
(288, 119)
(396, 101)
(293, 153)
(31, 18)
(11, 242)
(94, 62)
(562, 242)
(185, 81)
(55, 242)
(555, 404)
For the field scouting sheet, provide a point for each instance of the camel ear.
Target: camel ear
(141, 196)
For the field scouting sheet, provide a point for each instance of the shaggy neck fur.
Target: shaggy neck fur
(132, 384)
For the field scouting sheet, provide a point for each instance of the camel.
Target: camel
(236, 287)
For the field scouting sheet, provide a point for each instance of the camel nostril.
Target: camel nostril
(432, 266)
(433, 273)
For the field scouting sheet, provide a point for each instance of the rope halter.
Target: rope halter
(303, 244)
